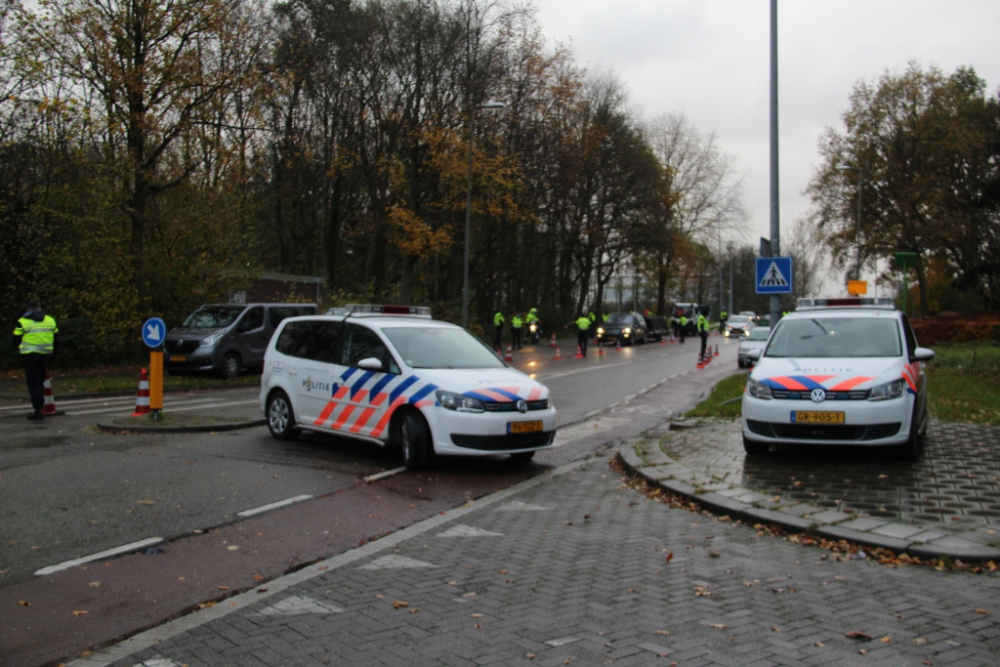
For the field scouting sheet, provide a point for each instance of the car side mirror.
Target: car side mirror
(754, 353)
(922, 354)
(370, 364)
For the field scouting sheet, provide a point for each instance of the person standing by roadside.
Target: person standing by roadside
(516, 324)
(36, 336)
(684, 323)
(702, 327)
(582, 331)
(498, 328)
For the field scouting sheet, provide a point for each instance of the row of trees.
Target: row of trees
(927, 146)
(154, 151)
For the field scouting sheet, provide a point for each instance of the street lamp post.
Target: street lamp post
(847, 167)
(468, 210)
(719, 220)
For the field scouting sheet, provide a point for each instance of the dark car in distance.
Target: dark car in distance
(626, 328)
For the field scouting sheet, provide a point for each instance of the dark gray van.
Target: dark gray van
(226, 338)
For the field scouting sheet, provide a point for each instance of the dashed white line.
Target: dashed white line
(382, 475)
(273, 506)
(125, 548)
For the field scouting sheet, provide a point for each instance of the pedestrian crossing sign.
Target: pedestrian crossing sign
(774, 275)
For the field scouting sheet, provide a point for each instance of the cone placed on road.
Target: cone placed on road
(663, 341)
(554, 343)
(600, 350)
(701, 361)
(579, 352)
(716, 349)
(618, 344)
(142, 398)
(49, 407)
(510, 354)
(558, 354)
(672, 340)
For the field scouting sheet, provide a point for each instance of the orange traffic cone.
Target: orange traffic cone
(618, 344)
(49, 407)
(663, 341)
(716, 349)
(510, 355)
(672, 340)
(558, 354)
(579, 352)
(600, 350)
(554, 343)
(142, 399)
(701, 361)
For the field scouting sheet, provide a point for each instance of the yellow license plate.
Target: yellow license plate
(178, 358)
(808, 417)
(524, 427)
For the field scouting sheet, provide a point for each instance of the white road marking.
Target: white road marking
(300, 604)
(272, 506)
(394, 562)
(543, 376)
(382, 475)
(461, 530)
(125, 548)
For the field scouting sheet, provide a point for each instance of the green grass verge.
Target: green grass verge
(720, 402)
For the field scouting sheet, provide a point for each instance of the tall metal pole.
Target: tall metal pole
(857, 270)
(719, 313)
(775, 231)
(468, 226)
(730, 281)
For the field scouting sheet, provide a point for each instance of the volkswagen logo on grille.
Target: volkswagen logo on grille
(817, 395)
(522, 406)
(180, 342)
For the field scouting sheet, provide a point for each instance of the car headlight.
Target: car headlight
(600, 330)
(758, 390)
(884, 392)
(627, 330)
(211, 340)
(727, 333)
(457, 402)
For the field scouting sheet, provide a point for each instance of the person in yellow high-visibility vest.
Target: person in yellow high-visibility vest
(702, 327)
(36, 337)
(498, 329)
(582, 331)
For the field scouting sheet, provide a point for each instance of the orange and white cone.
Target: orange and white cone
(554, 343)
(600, 350)
(510, 355)
(142, 398)
(672, 340)
(716, 349)
(558, 354)
(579, 352)
(701, 361)
(49, 407)
(618, 344)
(663, 341)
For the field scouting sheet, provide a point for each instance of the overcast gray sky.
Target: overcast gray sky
(709, 59)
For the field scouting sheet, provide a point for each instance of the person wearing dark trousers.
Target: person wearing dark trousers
(516, 329)
(582, 333)
(498, 328)
(36, 337)
(702, 326)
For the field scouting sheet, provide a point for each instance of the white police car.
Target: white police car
(392, 375)
(844, 371)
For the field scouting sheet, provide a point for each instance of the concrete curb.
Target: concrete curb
(722, 505)
(112, 428)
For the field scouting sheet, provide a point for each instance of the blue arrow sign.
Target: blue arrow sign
(153, 332)
(774, 275)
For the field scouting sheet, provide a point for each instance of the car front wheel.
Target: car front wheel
(280, 417)
(914, 445)
(231, 366)
(418, 450)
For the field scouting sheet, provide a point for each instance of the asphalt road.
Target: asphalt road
(68, 490)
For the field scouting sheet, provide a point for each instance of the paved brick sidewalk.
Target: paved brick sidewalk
(948, 503)
(571, 568)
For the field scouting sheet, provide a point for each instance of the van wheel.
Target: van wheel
(914, 445)
(521, 457)
(415, 439)
(231, 366)
(754, 448)
(280, 417)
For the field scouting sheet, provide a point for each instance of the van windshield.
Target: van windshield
(438, 347)
(213, 317)
(836, 337)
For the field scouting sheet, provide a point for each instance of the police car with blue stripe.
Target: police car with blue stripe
(838, 371)
(393, 376)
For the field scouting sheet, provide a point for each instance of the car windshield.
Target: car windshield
(213, 317)
(620, 319)
(738, 320)
(836, 337)
(760, 333)
(438, 347)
